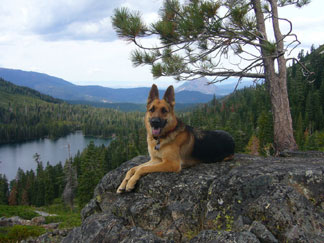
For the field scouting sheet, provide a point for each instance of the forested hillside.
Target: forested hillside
(27, 114)
(306, 95)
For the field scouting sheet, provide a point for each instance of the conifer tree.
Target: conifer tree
(13, 195)
(196, 37)
(24, 197)
(40, 182)
(4, 189)
(300, 131)
(70, 174)
(91, 172)
(253, 146)
(49, 184)
(264, 130)
(20, 185)
(321, 93)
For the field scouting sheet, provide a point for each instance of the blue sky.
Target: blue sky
(74, 39)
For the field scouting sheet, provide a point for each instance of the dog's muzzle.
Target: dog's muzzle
(157, 124)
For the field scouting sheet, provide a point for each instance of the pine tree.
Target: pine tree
(300, 131)
(20, 184)
(40, 182)
(91, 172)
(4, 189)
(253, 146)
(70, 173)
(321, 93)
(24, 197)
(264, 131)
(310, 113)
(196, 37)
(13, 195)
(49, 184)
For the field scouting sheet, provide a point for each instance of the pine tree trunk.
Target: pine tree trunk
(276, 81)
(282, 122)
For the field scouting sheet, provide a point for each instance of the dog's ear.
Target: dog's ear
(154, 94)
(169, 96)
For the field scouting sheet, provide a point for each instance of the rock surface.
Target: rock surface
(54, 236)
(13, 221)
(16, 220)
(249, 199)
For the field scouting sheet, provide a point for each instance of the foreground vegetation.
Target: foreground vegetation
(24, 212)
(17, 233)
(65, 217)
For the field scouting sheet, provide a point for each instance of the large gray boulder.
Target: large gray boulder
(249, 199)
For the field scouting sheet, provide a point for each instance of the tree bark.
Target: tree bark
(276, 81)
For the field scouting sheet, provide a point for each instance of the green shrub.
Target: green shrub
(71, 221)
(54, 219)
(24, 212)
(66, 220)
(17, 233)
(66, 217)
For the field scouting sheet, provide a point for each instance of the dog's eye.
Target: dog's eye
(164, 110)
(152, 109)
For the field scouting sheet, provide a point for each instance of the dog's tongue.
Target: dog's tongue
(156, 131)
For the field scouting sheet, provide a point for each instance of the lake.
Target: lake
(20, 155)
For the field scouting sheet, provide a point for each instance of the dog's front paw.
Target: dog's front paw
(131, 184)
(125, 182)
(120, 190)
(129, 188)
(122, 187)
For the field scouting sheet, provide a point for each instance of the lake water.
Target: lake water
(20, 155)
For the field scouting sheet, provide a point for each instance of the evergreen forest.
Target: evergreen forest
(246, 114)
(26, 114)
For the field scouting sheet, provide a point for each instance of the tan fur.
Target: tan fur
(176, 143)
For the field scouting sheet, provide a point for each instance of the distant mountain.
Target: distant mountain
(219, 89)
(200, 85)
(62, 89)
(9, 91)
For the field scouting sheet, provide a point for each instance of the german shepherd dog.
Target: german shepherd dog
(173, 145)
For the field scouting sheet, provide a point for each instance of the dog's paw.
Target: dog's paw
(129, 189)
(131, 185)
(120, 190)
(122, 187)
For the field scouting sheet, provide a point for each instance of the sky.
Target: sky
(74, 39)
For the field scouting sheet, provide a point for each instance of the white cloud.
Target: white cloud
(57, 19)
(307, 24)
(74, 39)
(83, 62)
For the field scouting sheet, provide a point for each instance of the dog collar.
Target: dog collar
(158, 145)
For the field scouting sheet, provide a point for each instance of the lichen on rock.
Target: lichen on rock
(249, 199)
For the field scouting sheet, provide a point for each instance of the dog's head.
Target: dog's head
(160, 116)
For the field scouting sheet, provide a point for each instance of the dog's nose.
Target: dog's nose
(155, 121)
